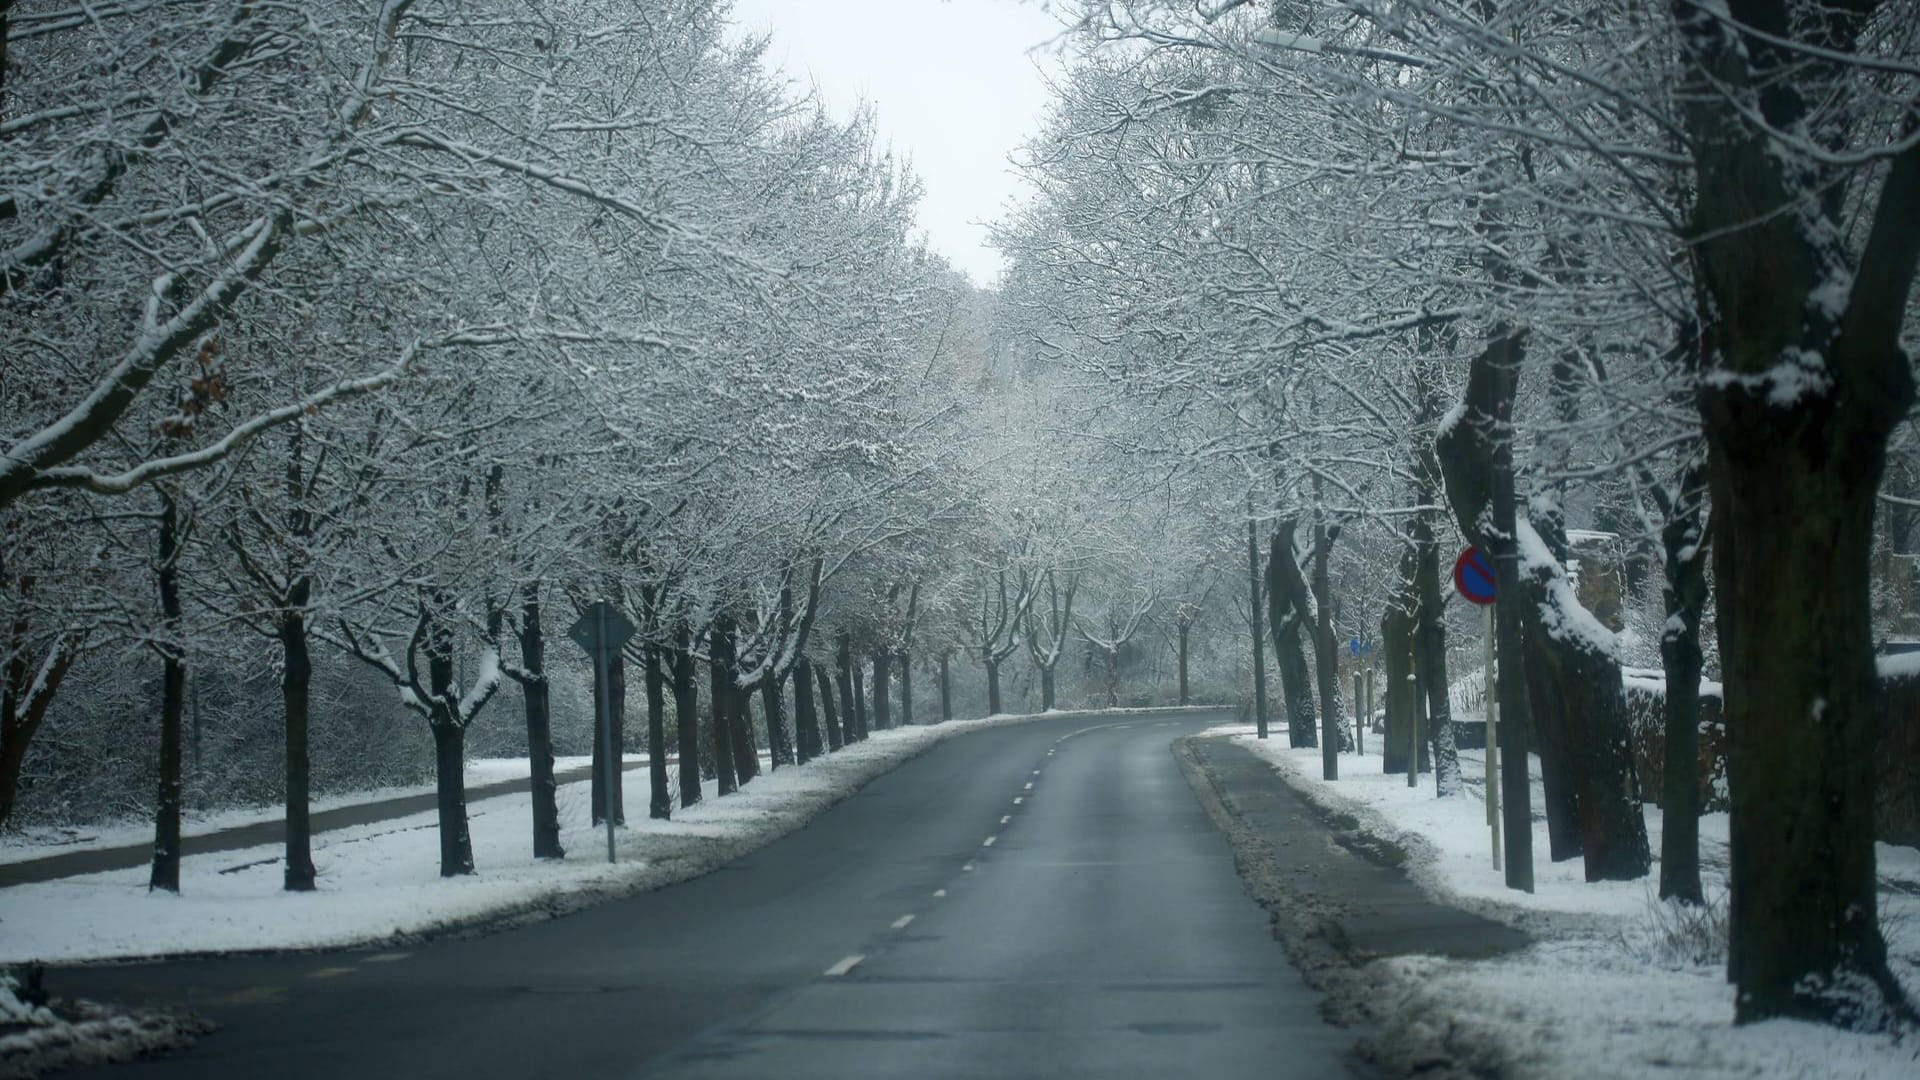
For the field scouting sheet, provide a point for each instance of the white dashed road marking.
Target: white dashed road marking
(329, 972)
(845, 965)
(988, 842)
(901, 922)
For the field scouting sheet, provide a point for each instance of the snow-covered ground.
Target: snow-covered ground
(1609, 988)
(36, 1039)
(382, 880)
(38, 843)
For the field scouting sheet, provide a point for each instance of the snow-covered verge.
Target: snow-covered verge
(380, 882)
(35, 843)
(1617, 984)
(39, 1036)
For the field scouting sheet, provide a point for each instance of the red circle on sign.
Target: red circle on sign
(1473, 576)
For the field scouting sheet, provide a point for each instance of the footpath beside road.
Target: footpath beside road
(241, 837)
(1339, 899)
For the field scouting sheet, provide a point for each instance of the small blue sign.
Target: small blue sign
(1473, 576)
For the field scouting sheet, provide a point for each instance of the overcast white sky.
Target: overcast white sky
(954, 86)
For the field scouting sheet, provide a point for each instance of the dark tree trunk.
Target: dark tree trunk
(660, 805)
(744, 748)
(450, 799)
(946, 690)
(1326, 657)
(1286, 609)
(1259, 633)
(1476, 459)
(771, 704)
(1046, 689)
(23, 704)
(906, 690)
(173, 685)
(535, 692)
(296, 678)
(1430, 659)
(1685, 539)
(993, 688)
(848, 677)
(882, 699)
(686, 712)
(1559, 776)
(617, 714)
(1185, 629)
(859, 711)
(806, 722)
(720, 657)
(836, 738)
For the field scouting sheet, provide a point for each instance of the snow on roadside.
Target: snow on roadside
(381, 880)
(40, 842)
(1607, 990)
(37, 1038)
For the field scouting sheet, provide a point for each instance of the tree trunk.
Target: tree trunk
(296, 678)
(173, 685)
(772, 704)
(1685, 539)
(1430, 662)
(835, 737)
(993, 688)
(720, 666)
(745, 751)
(535, 693)
(686, 713)
(806, 722)
(1326, 657)
(1559, 775)
(906, 690)
(1046, 689)
(882, 675)
(946, 691)
(660, 805)
(1475, 456)
(1286, 609)
(859, 711)
(1185, 629)
(450, 799)
(1259, 632)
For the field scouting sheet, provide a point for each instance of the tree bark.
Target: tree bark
(686, 712)
(720, 666)
(906, 689)
(836, 738)
(946, 690)
(882, 698)
(859, 710)
(1326, 655)
(296, 679)
(1185, 629)
(536, 695)
(1430, 657)
(1402, 689)
(993, 688)
(772, 704)
(450, 799)
(166, 823)
(1685, 538)
(806, 721)
(744, 748)
(617, 715)
(660, 804)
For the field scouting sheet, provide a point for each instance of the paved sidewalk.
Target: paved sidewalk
(241, 837)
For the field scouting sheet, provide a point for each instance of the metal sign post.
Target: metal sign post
(1473, 578)
(603, 632)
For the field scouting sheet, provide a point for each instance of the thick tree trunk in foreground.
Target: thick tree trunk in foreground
(1559, 777)
(535, 693)
(296, 679)
(1286, 610)
(720, 667)
(173, 685)
(686, 712)
(1402, 691)
(450, 799)
(1258, 632)
(806, 722)
(660, 801)
(1804, 381)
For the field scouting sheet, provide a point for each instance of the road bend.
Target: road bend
(1037, 900)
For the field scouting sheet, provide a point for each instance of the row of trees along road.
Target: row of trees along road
(366, 343)
(1388, 274)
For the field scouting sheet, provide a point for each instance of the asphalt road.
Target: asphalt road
(1037, 900)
